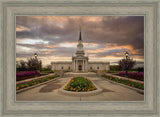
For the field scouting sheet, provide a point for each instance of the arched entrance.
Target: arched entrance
(80, 67)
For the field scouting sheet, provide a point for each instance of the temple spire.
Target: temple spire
(80, 34)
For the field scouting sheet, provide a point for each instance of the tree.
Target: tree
(34, 64)
(21, 65)
(18, 65)
(126, 64)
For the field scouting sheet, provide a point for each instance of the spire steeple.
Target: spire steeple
(80, 38)
(80, 50)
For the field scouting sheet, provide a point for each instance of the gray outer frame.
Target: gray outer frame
(149, 107)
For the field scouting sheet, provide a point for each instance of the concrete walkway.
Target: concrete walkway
(111, 92)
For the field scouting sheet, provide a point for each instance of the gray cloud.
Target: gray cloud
(122, 30)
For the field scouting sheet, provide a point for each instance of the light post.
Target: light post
(126, 61)
(35, 55)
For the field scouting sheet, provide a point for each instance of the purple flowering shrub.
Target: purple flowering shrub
(134, 75)
(27, 73)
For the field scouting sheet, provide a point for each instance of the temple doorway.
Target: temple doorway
(80, 67)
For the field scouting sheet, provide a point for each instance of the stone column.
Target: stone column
(77, 66)
(86, 65)
(74, 65)
(83, 65)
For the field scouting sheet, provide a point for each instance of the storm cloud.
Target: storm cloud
(104, 37)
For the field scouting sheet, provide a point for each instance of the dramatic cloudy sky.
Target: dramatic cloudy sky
(55, 38)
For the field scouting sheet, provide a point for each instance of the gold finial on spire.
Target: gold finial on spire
(80, 28)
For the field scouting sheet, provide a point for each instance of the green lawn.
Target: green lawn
(112, 71)
(46, 72)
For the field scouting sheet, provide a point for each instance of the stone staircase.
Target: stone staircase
(72, 74)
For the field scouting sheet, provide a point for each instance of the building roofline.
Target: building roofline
(61, 62)
(94, 62)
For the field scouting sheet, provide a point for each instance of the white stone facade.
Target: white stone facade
(70, 66)
(62, 65)
(80, 62)
(98, 65)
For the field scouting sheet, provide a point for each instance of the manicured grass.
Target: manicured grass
(33, 82)
(126, 82)
(80, 84)
(112, 71)
(46, 72)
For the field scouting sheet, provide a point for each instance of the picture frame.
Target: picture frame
(10, 9)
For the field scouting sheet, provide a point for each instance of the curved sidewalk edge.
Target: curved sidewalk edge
(71, 93)
(133, 88)
(27, 88)
(22, 81)
(121, 77)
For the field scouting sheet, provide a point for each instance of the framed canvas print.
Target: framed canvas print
(79, 54)
(79, 58)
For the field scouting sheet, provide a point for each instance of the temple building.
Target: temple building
(80, 62)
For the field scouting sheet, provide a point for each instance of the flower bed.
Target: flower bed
(126, 82)
(133, 75)
(80, 84)
(27, 73)
(33, 82)
(29, 77)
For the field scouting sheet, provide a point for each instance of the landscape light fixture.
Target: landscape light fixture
(36, 55)
(126, 62)
(126, 54)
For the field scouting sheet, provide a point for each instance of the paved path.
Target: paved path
(49, 92)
